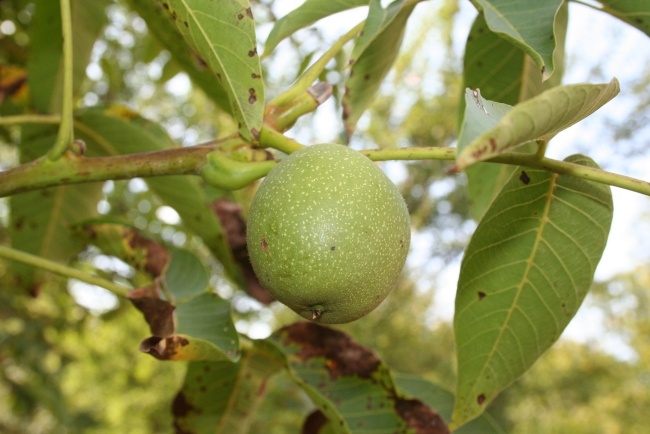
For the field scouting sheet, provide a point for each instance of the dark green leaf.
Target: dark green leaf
(503, 73)
(376, 57)
(529, 24)
(379, 18)
(223, 35)
(222, 397)
(525, 273)
(633, 12)
(307, 13)
(170, 38)
(46, 46)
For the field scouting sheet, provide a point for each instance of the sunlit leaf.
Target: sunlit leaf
(539, 118)
(307, 13)
(348, 383)
(524, 275)
(223, 35)
(443, 401)
(222, 397)
(529, 24)
(633, 12)
(170, 38)
(379, 18)
(373, 63)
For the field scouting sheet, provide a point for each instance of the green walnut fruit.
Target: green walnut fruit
(328, 233)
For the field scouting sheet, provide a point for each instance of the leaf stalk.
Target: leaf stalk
(65, 134)
(73, 169)
(62, 270)
(314, 71)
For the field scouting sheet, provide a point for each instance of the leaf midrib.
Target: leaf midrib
(544, 220)
(234, 101)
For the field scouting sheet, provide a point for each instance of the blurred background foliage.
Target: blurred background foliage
(69, 358)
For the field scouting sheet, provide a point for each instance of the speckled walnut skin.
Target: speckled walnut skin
(328, 233)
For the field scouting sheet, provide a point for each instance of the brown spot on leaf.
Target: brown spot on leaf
(240, 16)
(252, 53)
(481, 295)
(255, 76)
(543, 69)
(493, 144)
(264, 245)
(420, 417)
(249, 12)
(480, 399)
(180, 406)
(346, 111)
(479, 152)
(252, 97)
(343, 355)
(524, 178)
(163, 348)
(157, 256)
(366, 77)
(158, 313)
(314, 422)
